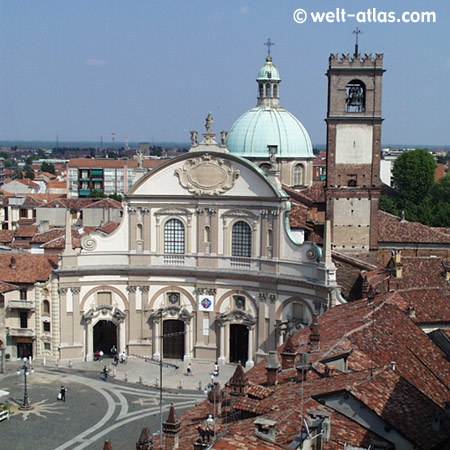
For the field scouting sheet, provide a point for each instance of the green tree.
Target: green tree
(18, 174)
(29, 172)
(413, 175)
(117, 197)
(48, 167)
(96, 194)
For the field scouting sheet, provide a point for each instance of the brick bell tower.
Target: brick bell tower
(353, 151)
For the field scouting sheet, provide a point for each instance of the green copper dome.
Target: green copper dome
(262, 126)
(268, 71)
(269, 124)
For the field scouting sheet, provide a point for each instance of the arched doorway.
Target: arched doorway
(105, 336)
(238, 343)
(173, 346)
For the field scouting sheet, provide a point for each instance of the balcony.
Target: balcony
(174, 260)
(21, 304)
(20, 332)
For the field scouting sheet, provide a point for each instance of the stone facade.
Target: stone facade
(204, 254)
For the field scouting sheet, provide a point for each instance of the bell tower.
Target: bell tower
(353, 150)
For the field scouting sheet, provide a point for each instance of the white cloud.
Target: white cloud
(95, 62)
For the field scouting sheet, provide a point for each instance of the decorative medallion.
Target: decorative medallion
(207, 175)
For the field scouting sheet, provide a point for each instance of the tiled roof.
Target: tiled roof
(298, 215)
(72, 203)
(108, 228)
(29, 268)
(6, 287)
(6, 236)
(148, 163)
(46, 236)
(25, 181)
(316, 192)
(25, 231)
(56, 185)
(393, 229)
(371, 336)
(105, 203)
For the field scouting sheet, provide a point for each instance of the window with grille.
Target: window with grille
(174, 237)
(242, 240)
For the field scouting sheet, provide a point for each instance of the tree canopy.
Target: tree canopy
(416, 192)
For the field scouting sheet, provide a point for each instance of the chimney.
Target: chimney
(398, 264)
(145, 441)
(314, 335)
(265, 429)
(393, 365)
(12, 264)
(411, 311)
(446, 266)
(288, 355)
(402, 219)
(272, 366)
(107, 445)
(171, 430)
(238, 382)
(44, 225)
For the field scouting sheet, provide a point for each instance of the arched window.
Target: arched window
(174, 236)
(261, 90)
(275, 90)
(267, 90)
(45, 308)
(298, 175)
(242, 240)
(355, 96)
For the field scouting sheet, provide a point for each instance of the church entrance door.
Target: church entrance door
(238, 343)
(105, 336)
(173, 346)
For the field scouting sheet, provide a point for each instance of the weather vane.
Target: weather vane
(269, 44)
(356, 31)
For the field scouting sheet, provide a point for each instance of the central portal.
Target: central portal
(173, 346)
(105, 336)
(238, 344)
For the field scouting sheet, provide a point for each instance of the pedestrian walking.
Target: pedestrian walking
(113, 350)
(189, 370)
(105, 373)
(97, 356)
(216, 369)
(62, 394)
(100, 355)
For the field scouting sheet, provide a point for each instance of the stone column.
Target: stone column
(187, 342)
(260, 353)
(222, 357)
(144, 326)
(66, 337)
(122, 335)
(89, 341)
(76, 318)
(156, 340)
(132, 328)
(272, 337)
(250, 361)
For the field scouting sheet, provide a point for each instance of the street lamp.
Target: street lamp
(213, 389)
(27, 369)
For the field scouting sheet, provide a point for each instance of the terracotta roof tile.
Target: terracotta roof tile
(6, 236)
(29, 268)
(26, 231)
(6, 287)
(393, 229)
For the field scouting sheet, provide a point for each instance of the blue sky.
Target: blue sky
(149, 70)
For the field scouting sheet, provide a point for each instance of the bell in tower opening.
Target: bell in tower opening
(355, 96)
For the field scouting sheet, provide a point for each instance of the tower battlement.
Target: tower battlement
(367, 61)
